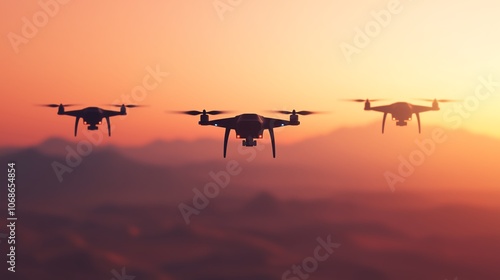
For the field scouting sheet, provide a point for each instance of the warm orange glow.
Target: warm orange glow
(262, 56)
(167, 198)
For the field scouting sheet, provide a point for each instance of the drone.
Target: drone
(402, 112)
(92, 116)
(248, 127)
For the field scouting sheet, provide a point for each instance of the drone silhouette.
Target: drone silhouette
(402, 112)
(248, 126)
(92, 116)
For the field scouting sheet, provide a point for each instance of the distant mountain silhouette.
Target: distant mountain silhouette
(347, 159)
(175, 152)
(263, 203)
(102, 177)
(118, 209)
(54, 146)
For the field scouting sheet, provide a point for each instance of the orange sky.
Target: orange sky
(256, 56)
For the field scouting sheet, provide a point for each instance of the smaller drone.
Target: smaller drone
(92, 116)
(401, 112)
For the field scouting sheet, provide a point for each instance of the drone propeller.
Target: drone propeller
(57, 105)
(362, 100)
(128, 106)
(439, 100)
(204, 112)
(302, 113)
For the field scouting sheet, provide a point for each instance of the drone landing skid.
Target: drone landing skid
(226, 138)
(76, 125)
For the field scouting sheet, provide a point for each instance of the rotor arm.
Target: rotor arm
(272, 123)
(74, 113)
(110, 113)
(383, 109)
(420, 109)
(226, 123)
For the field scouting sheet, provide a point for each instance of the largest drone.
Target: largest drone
(248, 127)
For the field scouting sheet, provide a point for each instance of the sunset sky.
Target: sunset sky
(252, 57)
(400, 203)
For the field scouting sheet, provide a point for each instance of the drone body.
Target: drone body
(401, 112)
(92, 116)
(248, 127)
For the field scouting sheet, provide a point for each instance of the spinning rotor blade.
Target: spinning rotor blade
(306, 113)
(439, 100)
(362, 100)
(192, 113)
(50, 105)
(195, 113)
(56, 105)
(447, 100)
(128, 106)
(283, 112)
(355, 100)
(215, 112)
(303, 113)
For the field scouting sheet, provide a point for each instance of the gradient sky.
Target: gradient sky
(258, 56)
